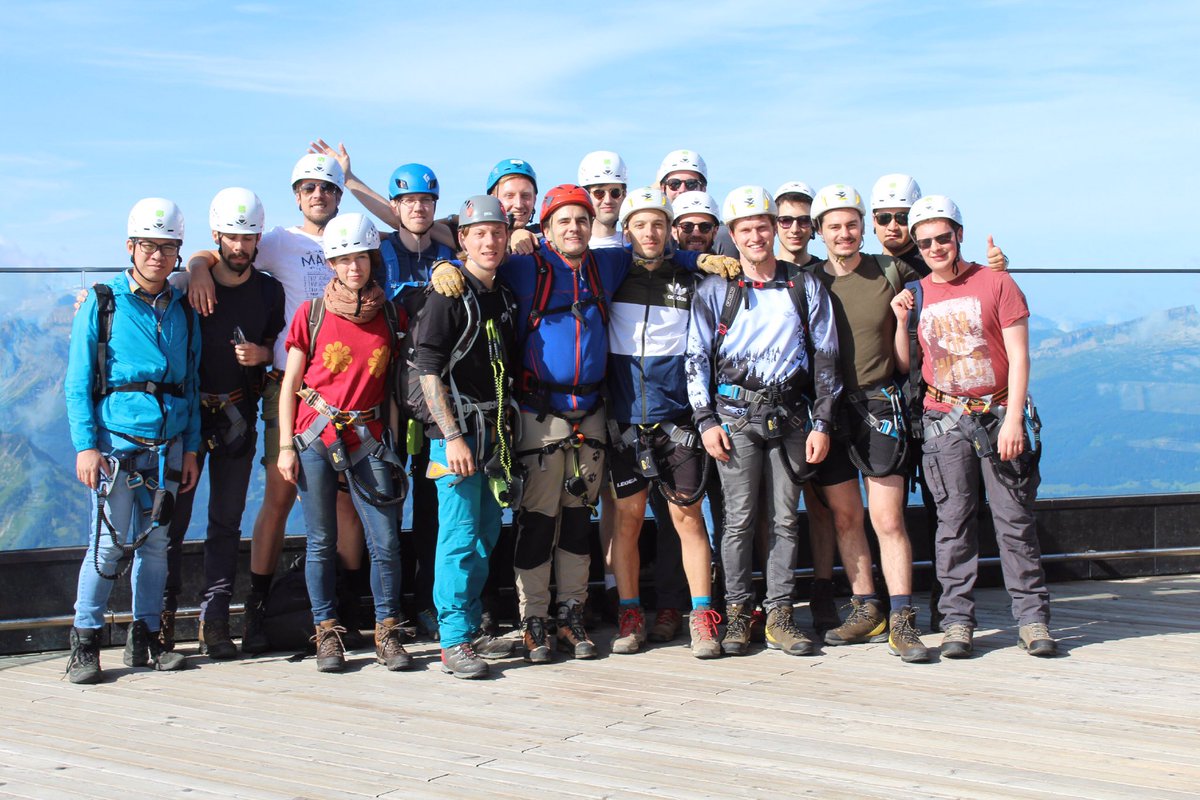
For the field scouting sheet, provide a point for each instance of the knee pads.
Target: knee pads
(535, 540)
(575, 532)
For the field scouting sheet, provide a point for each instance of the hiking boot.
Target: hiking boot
(956, 641)
(143, 649)
(254, 634)
(758, 626)
(166, 629)
(331, 652)
(737, 631)
(164, 660)
(904, 639)
(388, 649)
(703, 627)
(537, 648)
(667, 624)
(462, 661)
(782, 634)
(632, 631)
(488, 623)
(427, 624)
(865, 623)
(823, 608)
(215, 641)
(1036, 640)
(84, 664)
(572, 637)
(491, 647)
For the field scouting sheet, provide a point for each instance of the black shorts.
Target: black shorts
(680, 468)
(877, 449)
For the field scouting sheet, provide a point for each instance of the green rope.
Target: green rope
(496, 357)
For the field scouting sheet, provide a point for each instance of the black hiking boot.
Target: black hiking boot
(215, 641)
(254, 634)
(84, 664)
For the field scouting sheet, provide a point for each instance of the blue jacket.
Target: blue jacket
(564, 349)
(141, 349)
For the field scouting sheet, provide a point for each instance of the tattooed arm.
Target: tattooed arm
(458, 452)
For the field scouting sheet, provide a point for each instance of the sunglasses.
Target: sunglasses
(886, 217)
(688, 227)
(941, 238)
(319, 186)
(691, 184)
(804, 221)
(615, 193)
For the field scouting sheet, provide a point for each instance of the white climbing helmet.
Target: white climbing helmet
(318, 167)
(679, 160)
(837, 195)
(236, 210)
(795, 187)
(895, 191)
(696, 203)
(648, 198)
(747, 201)
(602, 166)
(349, 233)
(935, 206)
(155, 218)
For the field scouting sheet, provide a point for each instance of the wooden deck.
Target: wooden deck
(1114, 717)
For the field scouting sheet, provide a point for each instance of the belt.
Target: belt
(220, 400)
(975, 405)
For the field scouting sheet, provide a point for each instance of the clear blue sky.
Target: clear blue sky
(1067, 130)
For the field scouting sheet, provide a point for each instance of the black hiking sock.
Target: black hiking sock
(261, 584)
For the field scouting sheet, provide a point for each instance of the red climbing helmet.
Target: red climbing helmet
(568, 194)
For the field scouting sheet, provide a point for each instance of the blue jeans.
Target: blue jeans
(468, 527)
(126, 509)
(318, 489)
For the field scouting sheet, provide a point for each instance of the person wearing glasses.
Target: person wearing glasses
(696, 221)
(794, 225)
(685, 171)
(133, 405)
(973, 328)
(293, 255)
(603, 175)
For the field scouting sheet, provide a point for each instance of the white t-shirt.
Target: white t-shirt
(296, 260)
(616, 240)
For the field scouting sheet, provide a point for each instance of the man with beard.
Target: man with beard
(237, 340)
(294, 257)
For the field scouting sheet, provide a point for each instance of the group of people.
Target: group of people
(629, 346)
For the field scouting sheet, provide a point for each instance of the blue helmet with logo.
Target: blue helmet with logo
(413, 179)
(511, 166)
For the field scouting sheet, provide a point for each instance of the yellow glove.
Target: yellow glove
(447, 280)
(725, 266)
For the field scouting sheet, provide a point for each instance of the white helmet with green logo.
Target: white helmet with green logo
(602, 166)
(318, 167)
(747, 201)
(895, 191)
(236, 210)
(649, 198)
(834, 196)
(155, 218)
(349, 233)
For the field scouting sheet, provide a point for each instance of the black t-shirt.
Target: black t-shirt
(912, 257)
(256, 307)
(441, 323)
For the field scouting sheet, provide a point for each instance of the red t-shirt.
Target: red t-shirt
(961, 332)
(348, 369)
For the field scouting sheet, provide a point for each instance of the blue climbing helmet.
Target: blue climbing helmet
(413, 179)
(511, 166)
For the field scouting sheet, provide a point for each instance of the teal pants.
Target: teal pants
(468, 526)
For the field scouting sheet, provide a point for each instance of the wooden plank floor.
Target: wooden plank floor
(1114, 717)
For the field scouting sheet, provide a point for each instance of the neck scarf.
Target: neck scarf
(360, 307)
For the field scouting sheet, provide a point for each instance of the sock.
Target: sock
(610, 581)
(260, 584)
(863, 598)
(701, 603)
(633, 601)
(900, 601)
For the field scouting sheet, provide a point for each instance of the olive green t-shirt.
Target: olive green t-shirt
(866, 325)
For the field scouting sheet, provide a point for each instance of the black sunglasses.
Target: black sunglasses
(691, 184)
(804, 221)
(688, 227)
(886, 217)
(941, 238)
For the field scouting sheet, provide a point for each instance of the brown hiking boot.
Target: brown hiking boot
(904, 639)
(166, 629)
(667, 624)
(703, 627)
(632, 631)
(782, 634)
(388, 648)
(1035, 638)
(865, 623)
(534, 637)
(956, 641)
(331, 652)
(215, 641)
(572, 637)
(737, 631)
